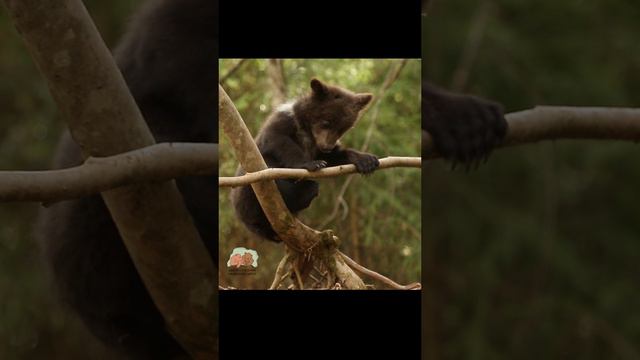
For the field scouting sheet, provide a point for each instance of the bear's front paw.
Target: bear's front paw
(366, 163)
(314, 165)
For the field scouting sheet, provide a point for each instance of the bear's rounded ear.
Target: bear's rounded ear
(363, 99)
(318, 87)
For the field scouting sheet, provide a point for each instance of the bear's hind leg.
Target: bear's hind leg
(297, 195)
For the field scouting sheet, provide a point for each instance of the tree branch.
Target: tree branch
(379, 277)
(283, 173)
(295, 234)
(104, 120)
(155, 163)
(277, 82)
(475, 36)
(232, 71)
(307, 246)
(563, 122)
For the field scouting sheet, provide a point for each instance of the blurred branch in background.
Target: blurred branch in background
(231, 71)
(363, 270)
(157, 162)
(563, 122)
(477, 31)
(277, 82)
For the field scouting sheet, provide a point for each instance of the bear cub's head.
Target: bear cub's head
(328, 112)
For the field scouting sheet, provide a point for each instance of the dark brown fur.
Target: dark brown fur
(304, 135)
(465, 129)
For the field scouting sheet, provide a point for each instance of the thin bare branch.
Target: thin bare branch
(282, 173)
(277, 82)
(476, 34)
(232, 71)
(377, 276)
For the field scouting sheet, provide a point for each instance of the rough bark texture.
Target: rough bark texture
(295, 234)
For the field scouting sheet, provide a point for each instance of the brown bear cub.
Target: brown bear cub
(304, 135)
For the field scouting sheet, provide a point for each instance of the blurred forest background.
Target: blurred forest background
(33, 325)
(535, 255)
(379, 224)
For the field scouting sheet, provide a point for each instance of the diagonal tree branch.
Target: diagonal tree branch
(476, 35)
(295, 234)
(277, 82)
(232, 71)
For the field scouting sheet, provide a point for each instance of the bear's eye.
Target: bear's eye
(336, 96)
(325, 125)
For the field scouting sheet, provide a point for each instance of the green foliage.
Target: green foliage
(534, 256)
(381, 225)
